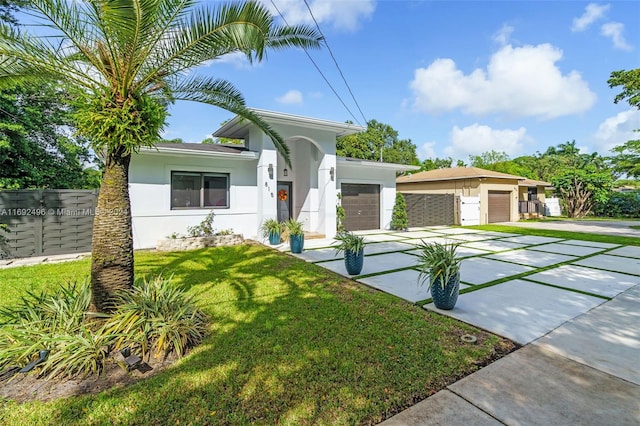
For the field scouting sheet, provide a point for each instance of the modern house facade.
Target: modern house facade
(174, 186)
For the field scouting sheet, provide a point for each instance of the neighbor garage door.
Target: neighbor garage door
(499, 206)
(361, 206)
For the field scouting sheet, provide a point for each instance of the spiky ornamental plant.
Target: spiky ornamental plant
(126, 61)
(399, 219)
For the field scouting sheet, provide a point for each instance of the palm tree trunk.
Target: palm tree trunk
(112, 243)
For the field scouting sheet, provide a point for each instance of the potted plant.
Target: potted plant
(271, 229)
(353, 247)
(296, 235)
(440, 268)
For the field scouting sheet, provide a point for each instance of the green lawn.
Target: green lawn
(290, 343)
(613, 239)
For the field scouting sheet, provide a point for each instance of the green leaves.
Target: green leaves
(129, 59)
(154, 316)
(581, 188)
(438, 262)
(348, 241)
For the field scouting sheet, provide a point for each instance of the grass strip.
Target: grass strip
(567, 235)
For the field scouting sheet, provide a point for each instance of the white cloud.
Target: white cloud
(476, 139)
(342, 15)
(236, 59)
(503, 35)
(614, 31)
(592, 13)
(292, 97)
(522, 81)
(426, 150)
(617, 130)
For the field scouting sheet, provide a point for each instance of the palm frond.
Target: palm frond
(224, 95)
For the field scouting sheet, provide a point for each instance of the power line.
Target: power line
(319, 71)
(335, 62)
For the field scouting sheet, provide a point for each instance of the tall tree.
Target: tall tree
(627, 159)
(581, 188)
(488, 158)
(379, 142)
(37, 149)
(436, 163)
(125, 61)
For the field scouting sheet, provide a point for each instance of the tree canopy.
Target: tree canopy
(379, 142)
(627, 159)
(124, 62)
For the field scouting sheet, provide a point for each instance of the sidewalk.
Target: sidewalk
(29, 261)
(585, 372)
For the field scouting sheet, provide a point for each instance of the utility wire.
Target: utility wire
(318, 69)
(326, 42)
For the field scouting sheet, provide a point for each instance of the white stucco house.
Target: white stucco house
(174, 186)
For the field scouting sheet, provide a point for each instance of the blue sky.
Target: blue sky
(457, 78)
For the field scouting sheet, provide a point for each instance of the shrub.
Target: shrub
(157, 316)
(54, 322)
(154, 315)
(399, 220)
(620, 204)
(204, 229)
(340, 215)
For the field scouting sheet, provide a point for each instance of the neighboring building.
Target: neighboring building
(497, 192)
(531, 198)
(174, 186)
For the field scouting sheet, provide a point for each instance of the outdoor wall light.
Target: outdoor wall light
(270, 169)
(332, 173)
(285, 172)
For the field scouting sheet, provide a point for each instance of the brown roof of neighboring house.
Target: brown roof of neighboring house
(533, 182)
(455, 173)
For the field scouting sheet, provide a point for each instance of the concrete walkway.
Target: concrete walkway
(573, 304)
(585, 372)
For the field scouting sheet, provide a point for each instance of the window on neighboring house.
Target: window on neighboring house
(191, 190)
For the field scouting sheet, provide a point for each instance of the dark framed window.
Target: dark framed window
(193, 190)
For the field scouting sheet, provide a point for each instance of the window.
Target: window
(532, 193)
(190, 190)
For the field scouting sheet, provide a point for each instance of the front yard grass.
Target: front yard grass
(290, 343)
(611, 239)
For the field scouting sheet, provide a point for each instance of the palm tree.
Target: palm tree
(125, 61)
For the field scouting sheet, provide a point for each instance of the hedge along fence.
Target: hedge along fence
(46, 221)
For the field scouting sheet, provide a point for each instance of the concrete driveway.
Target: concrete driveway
(605, 227)
(518, 286)
(573, 304)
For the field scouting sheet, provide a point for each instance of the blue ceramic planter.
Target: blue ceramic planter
(297, 243)
(353, 261)
(447, 296)
(274, 238)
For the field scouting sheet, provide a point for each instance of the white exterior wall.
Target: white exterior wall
(150, 191)
(386, 178)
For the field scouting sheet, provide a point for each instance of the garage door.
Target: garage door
(361, 206)
(499, 206)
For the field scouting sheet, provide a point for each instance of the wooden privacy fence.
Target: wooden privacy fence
(430, 209)
(47, 221)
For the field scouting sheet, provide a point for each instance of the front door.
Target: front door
(284, 201)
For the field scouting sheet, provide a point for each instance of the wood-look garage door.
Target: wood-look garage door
(361, 206)
(499, 206)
